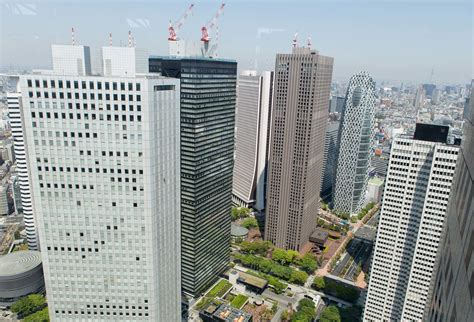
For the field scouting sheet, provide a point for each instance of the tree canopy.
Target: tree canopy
(330, 314)
(239, 212)
(308, 263)
(28, 304)
(250, 223)
(40, 316)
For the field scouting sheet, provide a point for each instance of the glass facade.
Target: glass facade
(208, 99)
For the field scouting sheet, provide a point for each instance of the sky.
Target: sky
(395, 40)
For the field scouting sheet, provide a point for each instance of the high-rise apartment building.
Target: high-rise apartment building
(330, 157)
(336, 104)
(298, 128)
(453, 284)
(208, 99)
(254, 101)
(356, 136)
(103, 154)
(419, 97)
(436, 96)
(16, 123)
(415, 200)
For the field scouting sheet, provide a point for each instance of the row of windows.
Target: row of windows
(115, 97)
(84, 85)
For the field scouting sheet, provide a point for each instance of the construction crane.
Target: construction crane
(205, 30)
(174, 27)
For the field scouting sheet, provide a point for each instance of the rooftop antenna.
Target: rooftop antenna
(129, 38)
(295, 40)
(432, 72)
(72, 37)
(110, 39)
(309, 42)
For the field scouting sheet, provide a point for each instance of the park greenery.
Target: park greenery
(40, 316)
(270, 267)
(255, 247)
(217, 291)
(330, 314)
(249, 222)
(347, 293)
(282, 264)
(284, 256)
(333, 227)
(28, 305)
(365, 210)
(343, 215)
(238, 301)
(349, 314)
(308, 263)
(305, 311)
(239, 212)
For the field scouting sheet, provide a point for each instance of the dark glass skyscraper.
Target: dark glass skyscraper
(208, 98)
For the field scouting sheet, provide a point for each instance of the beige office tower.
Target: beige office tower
(298, 125)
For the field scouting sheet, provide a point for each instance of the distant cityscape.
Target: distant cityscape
(181, 187)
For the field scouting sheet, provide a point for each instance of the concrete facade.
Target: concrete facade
(298, 126)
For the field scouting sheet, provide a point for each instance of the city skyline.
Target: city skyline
(258, 34)
(166, 160)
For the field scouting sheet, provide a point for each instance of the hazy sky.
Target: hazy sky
(393, 40)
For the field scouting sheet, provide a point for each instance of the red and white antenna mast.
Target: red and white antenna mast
(211, 24)
(72, 37)
(110, 39)
(129, 38)
(309, 42)
(295, 40)
(174, 27)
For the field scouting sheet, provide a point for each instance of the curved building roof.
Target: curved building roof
(19, 262)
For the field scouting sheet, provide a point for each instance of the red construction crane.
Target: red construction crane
(211, 24)
(174, 28)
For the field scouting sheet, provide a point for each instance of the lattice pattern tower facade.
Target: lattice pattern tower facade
(356, 134)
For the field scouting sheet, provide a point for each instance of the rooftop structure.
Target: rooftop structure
(21, 273)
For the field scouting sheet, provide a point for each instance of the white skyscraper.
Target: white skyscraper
(356, 135)
(13, 100)
(415, 199)
(104, 160)
(254, 100)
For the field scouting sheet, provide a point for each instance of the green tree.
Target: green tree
(330, 314)
(319, 283)
(40, 316)
(308, 263)
(281, 272)
(305, 311)
(280, 255)
(250, 223)
(298, 277)
(255, 247)
(285, 316)
(300, 316)
(29, 304)
(291, 255)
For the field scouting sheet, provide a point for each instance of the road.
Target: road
(353, 245)
(361, 256)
